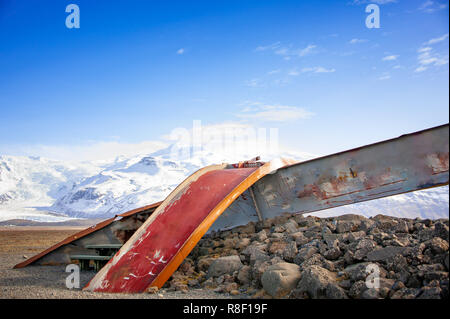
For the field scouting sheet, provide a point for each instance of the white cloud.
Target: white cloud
(354, 41)
(428, 57)
(274, 71)
(426, 4)
(254, 83)
(286, 51)
(425, 49)
(309, 49)
(390, 58)
(437, 40)
(180, 51)
(384, 77)
(420, 69)
(272, 46)
(273, 113)
(432, 6)
(318, 69)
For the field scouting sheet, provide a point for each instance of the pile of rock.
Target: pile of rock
(348, 256)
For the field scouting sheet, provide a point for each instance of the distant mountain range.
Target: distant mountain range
(44, 190)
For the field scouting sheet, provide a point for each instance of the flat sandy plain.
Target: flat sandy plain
(20, 242)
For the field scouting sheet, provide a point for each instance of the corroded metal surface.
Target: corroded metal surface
(404, 164)
(117, 229)
(156, 250)
(219, 196)
(400, 165)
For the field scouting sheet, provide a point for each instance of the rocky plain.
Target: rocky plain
(296, 257)
(344, 257)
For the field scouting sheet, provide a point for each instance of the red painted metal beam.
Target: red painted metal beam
(156, 250)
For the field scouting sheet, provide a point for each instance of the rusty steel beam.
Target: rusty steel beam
(157, 249)
(115, 230)
(400, 165)
(224, 196)
(404, 164)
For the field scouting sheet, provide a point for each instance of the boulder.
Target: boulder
(300, 238)
(277, 247)
(406, 293)
(357, 289)
(358, 271)
(364, 247)
(345, 226)
(333, 253)
(204, 263)
(224, 265)
(304, 254)
(255, 253)
(401, 227)
(261, 236)
(430, 293)
(355, 236)
(385, 223)
(437, 245)
(385, 253)
(245, 275)
(318, 282)
(290, 226)
(290, 251)
(441, 230)
(279, 279)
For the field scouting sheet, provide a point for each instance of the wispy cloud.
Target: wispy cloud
(274, 72)
(180, 51)
(437, 40)
(428, 57)
(390, 58)
(254, 83)
(355, 41)
(309, 49)
(273, 113)
(318, 69)
(432, 6)
(385, 76)
(272, 46)
(420, 69)
(287, 52)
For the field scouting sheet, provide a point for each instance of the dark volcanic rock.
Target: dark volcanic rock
(349, 256)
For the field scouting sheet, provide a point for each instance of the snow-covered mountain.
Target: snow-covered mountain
(40, 189)
(28, 184)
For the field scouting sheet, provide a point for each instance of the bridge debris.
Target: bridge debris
(223, 196)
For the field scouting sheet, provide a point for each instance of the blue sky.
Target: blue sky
(135, 70)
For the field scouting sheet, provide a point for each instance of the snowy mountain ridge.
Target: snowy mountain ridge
(41, 189)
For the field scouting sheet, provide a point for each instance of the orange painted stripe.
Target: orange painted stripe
(201, 230)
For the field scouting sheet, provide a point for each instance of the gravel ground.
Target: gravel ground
(49, 281)
(287, 256)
